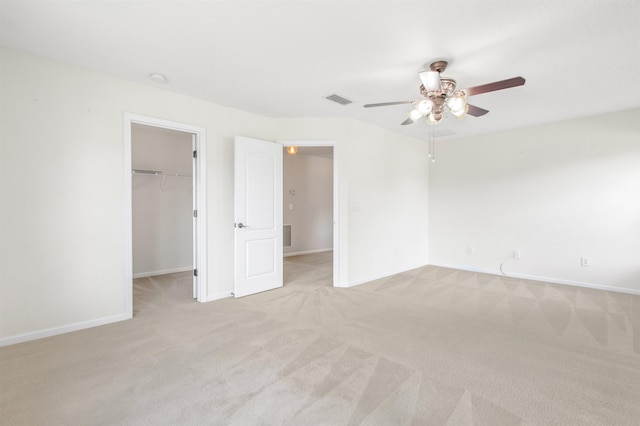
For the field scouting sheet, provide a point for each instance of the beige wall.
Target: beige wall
(309, 209)
(555, 192)
(382, 193)
(63, 217)
(62, 224)
(162, 205)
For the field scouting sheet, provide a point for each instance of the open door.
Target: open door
(258, 216)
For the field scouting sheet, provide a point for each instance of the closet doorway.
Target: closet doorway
(166, 176)
(309, 214)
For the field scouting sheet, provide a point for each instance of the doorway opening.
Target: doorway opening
(165, 180)
(309, 214)
(162, 216)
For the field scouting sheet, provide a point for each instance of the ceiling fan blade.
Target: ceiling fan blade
(387, 104)
(496, 85)
(407, 121)
(476, 111)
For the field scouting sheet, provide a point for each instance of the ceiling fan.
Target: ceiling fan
(439, 95)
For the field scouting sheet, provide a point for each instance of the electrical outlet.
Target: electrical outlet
(585, 261)
(469, 250)
(516, 254)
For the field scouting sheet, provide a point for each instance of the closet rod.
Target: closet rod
(156, 173)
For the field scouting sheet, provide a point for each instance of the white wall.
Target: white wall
(162, 206)
(63, 206)
(383, 195)
(555, 192)
(62, 199)
(311, 216)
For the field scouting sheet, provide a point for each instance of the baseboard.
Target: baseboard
(544, 279)
(54, 331)
(298, 253)
(377, 277)
(162, 272)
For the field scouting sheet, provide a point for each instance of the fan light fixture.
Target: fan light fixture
(433, 118)
(461, 112)
(423, 107)
(438, 95)
(292, 150)
(414, 115)
(457, 102)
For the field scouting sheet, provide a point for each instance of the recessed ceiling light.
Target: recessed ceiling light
(158, 78)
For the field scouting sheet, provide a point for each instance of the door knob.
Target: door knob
(241, 225)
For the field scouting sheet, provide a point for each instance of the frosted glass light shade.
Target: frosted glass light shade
(461, 112)
(430, 80)
(292, 150)
(433, 119)
(424, 106)
(414, 114)
(457, 103)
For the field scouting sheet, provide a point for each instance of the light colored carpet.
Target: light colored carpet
(430, 346)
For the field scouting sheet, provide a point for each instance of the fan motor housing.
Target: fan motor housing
(439, 66)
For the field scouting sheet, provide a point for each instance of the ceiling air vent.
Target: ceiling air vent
(339, 99)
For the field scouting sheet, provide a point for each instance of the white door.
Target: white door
(258, 216)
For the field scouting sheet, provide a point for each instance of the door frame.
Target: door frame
(336, 198)
(199, 194)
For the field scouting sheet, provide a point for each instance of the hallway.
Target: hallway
(309, 269)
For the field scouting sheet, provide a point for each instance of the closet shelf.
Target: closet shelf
(157, 173)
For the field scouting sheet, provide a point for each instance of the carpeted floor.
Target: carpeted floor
(430, 346)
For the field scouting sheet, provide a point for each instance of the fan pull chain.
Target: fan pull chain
(432, 145)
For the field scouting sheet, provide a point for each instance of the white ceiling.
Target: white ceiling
(281, 59)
